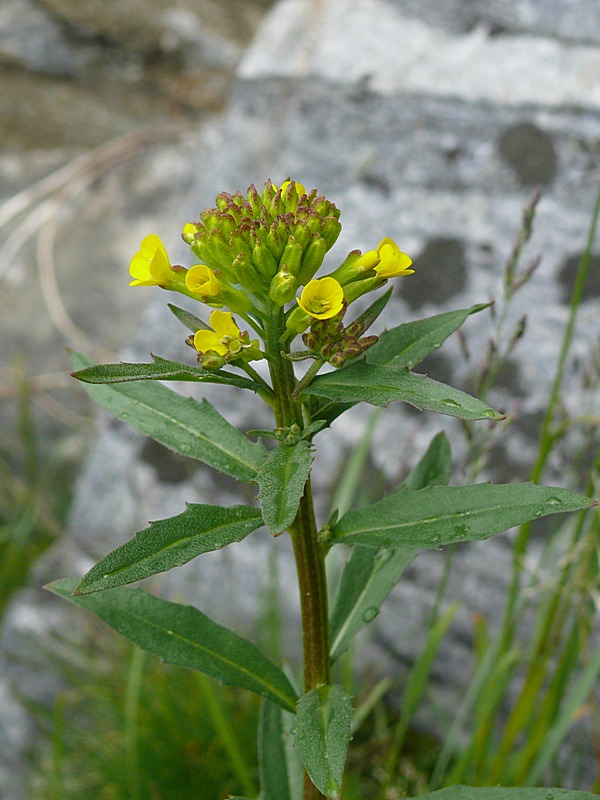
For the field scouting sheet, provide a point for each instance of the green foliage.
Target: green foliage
(183, 635)
(272, 760)
(253, 246)
(408, 344)
(171, 543)
(439, 515)
(282, 479)
(369, 576)
(159, 370)
(191, 428)
(498, 793)
(322, 733)
(380, 385)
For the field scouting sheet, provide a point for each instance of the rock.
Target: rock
(434, 143)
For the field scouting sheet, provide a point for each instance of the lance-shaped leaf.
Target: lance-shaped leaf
(380, 385)
(170, 543)
(282, 479)
(185, 636)
(194, 429)
(160, 370)
(369, 576)
(408, 344)
(502, 793)
(322, 733)
(440, 515)
(272, 760)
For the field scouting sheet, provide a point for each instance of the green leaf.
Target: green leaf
(501, 793)
(194, 429)
(440, 515)
(185, 636)
(408, 344)
(369, 576)
(191, 321)
(171, 543)
(322, 733)
(160, 370)
(434, 468)
(272, 760)
(282, 479)
(380, 385)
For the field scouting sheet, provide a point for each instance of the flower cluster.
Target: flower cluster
(260, 252)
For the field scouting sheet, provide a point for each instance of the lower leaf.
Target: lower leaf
(185, 636)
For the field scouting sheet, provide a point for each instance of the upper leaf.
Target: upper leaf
(322, 733)
(185, 636)
(160, 370)
(441, 515)
(189, 427)
(170, 543)
(282, 479)
(408, 344)
(380, 385)
(405, 346)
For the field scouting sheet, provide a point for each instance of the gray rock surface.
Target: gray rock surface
(423, 121)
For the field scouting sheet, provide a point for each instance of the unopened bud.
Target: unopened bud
(312, 259)
(211, 360)
(248, 276)
(263, 260)
(291, 257)
(283, 287)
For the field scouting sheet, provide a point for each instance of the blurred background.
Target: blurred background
(432, 123)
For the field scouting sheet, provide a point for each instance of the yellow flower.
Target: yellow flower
(203, 281)
(224, 338)
(151, 265)
(300, 189)
(388, 260)
(322, 299)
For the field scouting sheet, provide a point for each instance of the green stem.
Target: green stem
(310, 560)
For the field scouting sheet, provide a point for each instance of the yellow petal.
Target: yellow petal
(393, 261)
(209, 340)
(322, 299)
(202, 280)
(222, 322)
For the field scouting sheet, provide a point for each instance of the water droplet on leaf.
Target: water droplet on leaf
(461, 531)
(554, 501)
(370, 614)
(450, 403)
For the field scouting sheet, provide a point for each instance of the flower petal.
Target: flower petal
(322, 299)
(222, 322)
(209, 340)
(202, 280)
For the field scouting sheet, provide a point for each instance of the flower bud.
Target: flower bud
(263, 260)
(283, 287)
(247, 275)
(312, 259)
(291, 257)
(330, 231)
(211, 360)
